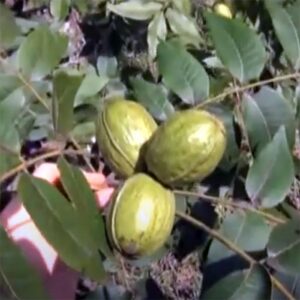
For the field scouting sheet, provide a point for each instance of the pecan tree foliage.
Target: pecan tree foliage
(237, 232)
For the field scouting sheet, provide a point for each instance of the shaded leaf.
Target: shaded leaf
(157, 30)
(136, 10)
(79, 192)
(182, 73)
(247, 230)
(284, 247)
(18, 274)
(65, 87)
(291, 283)
(153, 98)
(237, 46)
(59, 8)
(184, 6)
(41, 52)
(263, 114)
(90, 86)
(286, 22)
(60, 225)
(183, 26)
(109, 292)
(270, 177)
(8, 161)
(9, 30)
(84, 132)
(251, 284)
(8, 84)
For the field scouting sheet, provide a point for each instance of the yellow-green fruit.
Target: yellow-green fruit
(223, 10)
(122, 129)
(141, 216)
(186, 148)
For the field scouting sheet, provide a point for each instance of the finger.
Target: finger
(50, 172)
(103, 197)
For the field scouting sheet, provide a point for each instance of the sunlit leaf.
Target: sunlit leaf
(8, 84)
(41, 52)
(247, 230)
(182, 73)
(60, 225)
(250, 284)
(183, 26)
(59, 8)
(21, 278)
(272, 173)
(157, 30)
(284, 247)
(153, 98)
(136, 10)
(286, 22)
(237, 46)
(65, 87)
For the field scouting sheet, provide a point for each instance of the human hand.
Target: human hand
(59, 280)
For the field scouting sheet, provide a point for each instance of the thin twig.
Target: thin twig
(230, 245)
(247, 87)
(217, 201)
(24, 165)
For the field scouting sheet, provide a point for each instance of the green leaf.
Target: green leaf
(136, 10)
(184, 6)
(79, 192)
(60, 225)
(232, 152)
(41, 52)
(251, 284)
(59, 8)
(65, 87)
(182, 73)
(8, 161)
(91, 85)
(8, 84)
(247, 230)
(153, 98)
(9, 30)
(263, 114)
(22, 280)
(157, 30)
(183, 26)
(286, 22)
(9, 111)
(107, 66)
(284, 247)
(237, 46)
(270, 177)
(291, 283)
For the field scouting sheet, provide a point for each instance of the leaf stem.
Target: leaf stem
(28, 163)
(230, 245)
(243, 206)
(247, 87)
